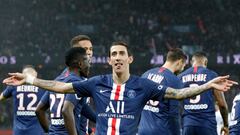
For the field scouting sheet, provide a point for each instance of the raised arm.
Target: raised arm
(220, 83)
(50, 85)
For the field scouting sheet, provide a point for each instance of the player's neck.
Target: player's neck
(74, 70)
(120, 78)
(199, 65)
(170, 66)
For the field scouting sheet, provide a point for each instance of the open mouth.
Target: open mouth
(118, 64)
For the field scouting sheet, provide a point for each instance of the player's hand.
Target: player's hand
(15, 79)
(222, 83)
(224, 131)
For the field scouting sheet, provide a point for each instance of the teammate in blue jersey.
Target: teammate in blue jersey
(78, 65)
(163, 116)
(119, 97)
(199, 112)
(234, 123)
(25, 100)
(69, 103)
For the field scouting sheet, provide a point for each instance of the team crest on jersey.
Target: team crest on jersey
(131, 94)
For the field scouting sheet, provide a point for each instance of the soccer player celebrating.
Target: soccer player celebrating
(163, 116)
(119, 97)
(71, 100)
(199, 112)
(235, 116)
(25, 100)
(78, 67)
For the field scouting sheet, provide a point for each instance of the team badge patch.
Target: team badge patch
(131, 94)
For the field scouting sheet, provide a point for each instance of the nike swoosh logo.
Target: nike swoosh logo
(102, 91)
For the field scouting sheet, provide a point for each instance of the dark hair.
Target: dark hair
(200, 55)
(73, 55)
(78, 38)
(122, 44)
(176, 54)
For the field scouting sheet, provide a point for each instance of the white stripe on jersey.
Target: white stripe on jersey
(117, 94)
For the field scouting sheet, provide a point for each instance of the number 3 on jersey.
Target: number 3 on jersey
(56, 104)
(197, 98)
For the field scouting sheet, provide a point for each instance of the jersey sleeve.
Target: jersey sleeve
(8, 91)
(155, 91)
(45, 98)
(73, 98)
(84, 88)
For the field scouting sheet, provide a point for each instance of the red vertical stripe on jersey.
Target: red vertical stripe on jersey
(113, 126)
(117, 92)
(195, 69)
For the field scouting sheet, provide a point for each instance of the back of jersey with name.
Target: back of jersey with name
(26, 98)
(199, 111)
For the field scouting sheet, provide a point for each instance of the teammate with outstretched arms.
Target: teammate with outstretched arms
(25, 100)
(119, 97)
(163, 116)
(199, 112)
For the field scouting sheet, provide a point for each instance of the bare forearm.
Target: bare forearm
(224, 113)
(54, 86)
(185, 92)
(43, 120)
(69, 122)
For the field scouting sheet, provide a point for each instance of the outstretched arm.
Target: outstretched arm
(55, 86)
(220, 83)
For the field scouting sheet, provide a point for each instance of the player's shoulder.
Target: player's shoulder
(210, 71)
(187, 71)
(152, 70)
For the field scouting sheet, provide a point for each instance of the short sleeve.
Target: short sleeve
(8, 91)
(45, 98)
(73, 98)
(85, 88)
(155, 91)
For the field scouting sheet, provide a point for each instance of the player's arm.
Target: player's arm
(221, 102)
(42, 116)
(220, 83)
(55, 86)
(68, 116)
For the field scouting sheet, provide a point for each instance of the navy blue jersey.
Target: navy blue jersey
(119, 106)
(157, 114)
(56, 100)
(235, 115)
(80, 121)
(25, 100)
(200, 110)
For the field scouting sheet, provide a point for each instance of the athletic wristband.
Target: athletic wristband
(30, 79)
